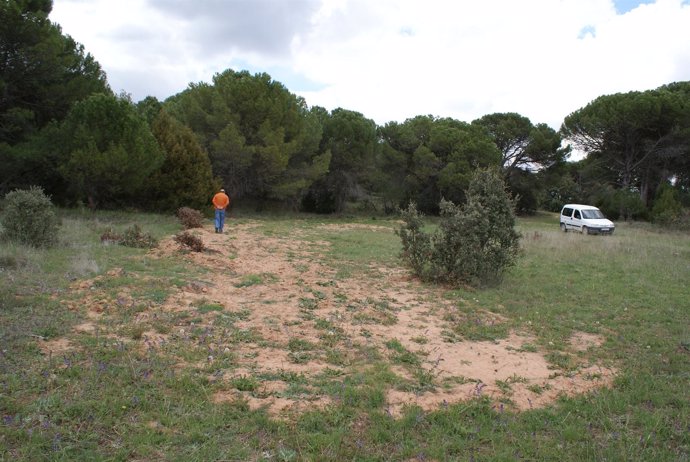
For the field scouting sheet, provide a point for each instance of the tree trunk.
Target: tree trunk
(92, 202)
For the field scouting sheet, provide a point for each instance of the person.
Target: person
(220, 202)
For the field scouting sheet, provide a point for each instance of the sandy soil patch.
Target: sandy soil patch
(583, 341)
(284, 312)
(56, 347)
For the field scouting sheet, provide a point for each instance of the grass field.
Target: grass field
(114, 353)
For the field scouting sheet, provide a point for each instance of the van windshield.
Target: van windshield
(592, 214)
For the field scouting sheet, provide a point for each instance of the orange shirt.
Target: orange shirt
(221, 200)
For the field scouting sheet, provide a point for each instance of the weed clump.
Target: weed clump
(190, 218)
(135, 237)
(190, 242)
(111, 237)
(12, 261)
(474, 244)
(30, 218)
(132, 237)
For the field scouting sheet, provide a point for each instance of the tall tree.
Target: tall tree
(634, 134)
(185, 178)
(523, 145)
(427, 159)
(351, 140)
(259, 136)
(525, 149)
(42, 73)
(107, 150)
(307, 165)
(677, 160)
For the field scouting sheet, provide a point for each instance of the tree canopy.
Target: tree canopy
(62, 129)
(185, 178)
(42, 73)
(259, 136)
(640, 137)
(349, 139)
(523, 145)
(426, 159)
(107, 150)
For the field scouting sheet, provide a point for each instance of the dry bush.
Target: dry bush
(136, 237)
(190, 241)
(190, 218)
(111, 237)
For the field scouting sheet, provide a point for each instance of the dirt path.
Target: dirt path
(282, 314)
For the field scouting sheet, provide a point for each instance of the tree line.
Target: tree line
(62, 128)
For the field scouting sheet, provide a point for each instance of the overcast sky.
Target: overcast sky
(394, 59)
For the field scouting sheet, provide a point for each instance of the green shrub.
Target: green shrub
(416, 244)
(245, 383)
(474, 243)
(621, 204)
(30, 218)
(667, 209)
(190, 218)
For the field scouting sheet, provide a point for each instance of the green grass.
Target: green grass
(365, 243)
(207, 307)
(108, 401)
(256, 279)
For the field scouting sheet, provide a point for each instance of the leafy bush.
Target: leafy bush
(667, 209)
(30, 218)
(135, 237)
(416, 244)
(190, 218)
(620, 204)
(320, 198)
(474, 243)
(190, 241)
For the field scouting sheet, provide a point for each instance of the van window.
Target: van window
(594, 214)
(567, 212)
(577, 214)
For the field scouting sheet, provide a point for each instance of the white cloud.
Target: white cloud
(394, 59)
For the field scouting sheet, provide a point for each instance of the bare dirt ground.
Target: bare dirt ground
(291, 316)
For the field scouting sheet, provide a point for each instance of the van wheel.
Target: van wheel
(585, 230)
(563, 228)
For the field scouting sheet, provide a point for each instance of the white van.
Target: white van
(585, 219)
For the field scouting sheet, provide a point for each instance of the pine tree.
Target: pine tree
(107, 151)
(185, 178)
